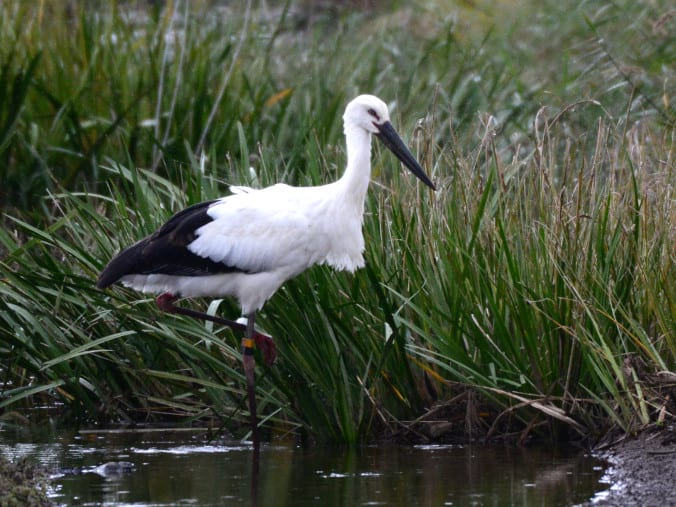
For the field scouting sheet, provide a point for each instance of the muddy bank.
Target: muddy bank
(23, 484)
(642, 470)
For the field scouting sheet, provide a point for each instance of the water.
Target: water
(179, 468)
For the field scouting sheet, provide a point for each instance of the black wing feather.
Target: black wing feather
(166, 251)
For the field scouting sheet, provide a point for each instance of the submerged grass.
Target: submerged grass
(532, 293)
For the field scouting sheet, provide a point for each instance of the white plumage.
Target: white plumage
(247, 244)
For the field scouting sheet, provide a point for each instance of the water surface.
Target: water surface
(179, 468)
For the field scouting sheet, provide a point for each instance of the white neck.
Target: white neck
(355, 180)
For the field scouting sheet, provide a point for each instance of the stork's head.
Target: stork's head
(371, 114)
(367, 112)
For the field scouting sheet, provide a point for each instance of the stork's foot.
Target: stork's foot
(266, 345)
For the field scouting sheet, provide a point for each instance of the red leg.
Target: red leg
(264, 342)
(249, 363)
(166, 303)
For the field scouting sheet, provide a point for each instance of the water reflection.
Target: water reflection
(179, 468)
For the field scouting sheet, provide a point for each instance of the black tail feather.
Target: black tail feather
(124, 263)
(166, 251)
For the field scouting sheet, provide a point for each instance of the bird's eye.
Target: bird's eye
(373, 113)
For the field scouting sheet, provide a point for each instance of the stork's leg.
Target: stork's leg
(249, 373)
(264, 342)
(166, 303)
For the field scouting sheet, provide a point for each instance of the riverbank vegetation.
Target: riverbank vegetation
(531, 295)
(23, 484)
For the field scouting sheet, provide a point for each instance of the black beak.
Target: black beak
(391, 139)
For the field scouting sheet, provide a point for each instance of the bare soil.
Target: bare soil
(642, 470)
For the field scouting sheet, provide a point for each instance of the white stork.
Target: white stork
(247, 244)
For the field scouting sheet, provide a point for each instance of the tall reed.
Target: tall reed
(531, 293)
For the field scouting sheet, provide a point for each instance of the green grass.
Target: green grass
(531, 294)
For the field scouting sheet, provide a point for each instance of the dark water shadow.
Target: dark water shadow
(183, 468)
